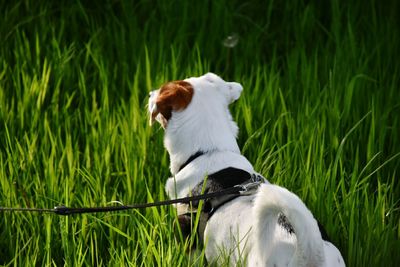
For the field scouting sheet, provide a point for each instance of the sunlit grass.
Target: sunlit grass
(318, 115)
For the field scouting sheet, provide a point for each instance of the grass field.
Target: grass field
(319, 114)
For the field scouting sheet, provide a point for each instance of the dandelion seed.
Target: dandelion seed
(231, 41)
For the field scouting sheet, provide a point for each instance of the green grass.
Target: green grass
(319, 115)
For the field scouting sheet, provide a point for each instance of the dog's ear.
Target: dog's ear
(235, 89)
(172, 96)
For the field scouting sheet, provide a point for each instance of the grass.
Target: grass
(319, 115)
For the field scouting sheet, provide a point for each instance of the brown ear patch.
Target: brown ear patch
(173, 96)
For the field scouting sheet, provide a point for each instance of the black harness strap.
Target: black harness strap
(218, 181)
(191, 158)
(225, 178)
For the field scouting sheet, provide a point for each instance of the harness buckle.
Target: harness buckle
(252, 186)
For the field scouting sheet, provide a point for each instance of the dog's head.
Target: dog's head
(194, 113)
(175, 96)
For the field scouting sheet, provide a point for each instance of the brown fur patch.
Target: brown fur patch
(173, 96)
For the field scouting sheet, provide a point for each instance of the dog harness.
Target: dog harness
(223, 179)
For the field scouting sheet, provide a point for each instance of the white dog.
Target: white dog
(271, 227)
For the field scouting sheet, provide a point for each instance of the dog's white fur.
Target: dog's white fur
(246, 227)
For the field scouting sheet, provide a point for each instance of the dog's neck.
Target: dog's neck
(190, 159)
(186, 136)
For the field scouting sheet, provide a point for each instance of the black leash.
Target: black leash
(62, 210)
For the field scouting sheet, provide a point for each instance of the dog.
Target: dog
(269, 226)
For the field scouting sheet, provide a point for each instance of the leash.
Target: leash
(241, 189)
